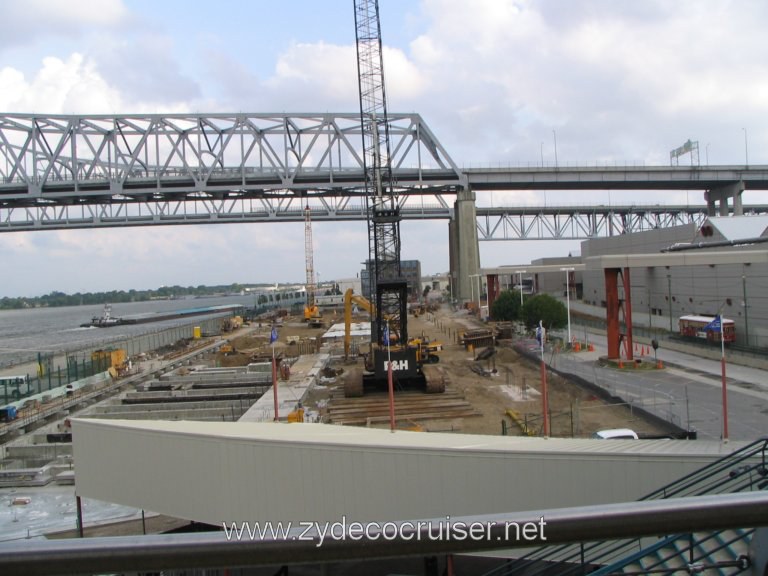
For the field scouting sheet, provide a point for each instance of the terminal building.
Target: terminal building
(725, 272)
(662, 294)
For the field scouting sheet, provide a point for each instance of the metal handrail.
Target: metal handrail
(209, 550)
(713, 478)
(726, 463)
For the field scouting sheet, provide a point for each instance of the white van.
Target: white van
(615, 434)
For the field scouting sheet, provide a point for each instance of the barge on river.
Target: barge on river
(107, 320)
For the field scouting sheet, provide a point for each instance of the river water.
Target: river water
(25, 333)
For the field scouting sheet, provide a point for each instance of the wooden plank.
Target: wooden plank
(415, 417)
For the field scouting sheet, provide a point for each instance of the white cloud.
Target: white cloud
(496, 80)
(24, 22)
(71, 86)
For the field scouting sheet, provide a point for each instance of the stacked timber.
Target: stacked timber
(373, 408)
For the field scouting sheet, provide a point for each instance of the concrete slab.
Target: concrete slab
(304, 375)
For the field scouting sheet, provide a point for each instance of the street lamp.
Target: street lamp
(568, 297)
(554, 136)
(746, 147)
(520, 273)
(478, 289)
(541, 336)
(718, 325)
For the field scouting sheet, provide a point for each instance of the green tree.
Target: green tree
(544, 307)
(507, 306)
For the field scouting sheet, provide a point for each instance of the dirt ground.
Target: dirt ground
(511, 394)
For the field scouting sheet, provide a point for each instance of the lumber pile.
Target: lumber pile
(373, 408)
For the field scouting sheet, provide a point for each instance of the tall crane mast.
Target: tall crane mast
(381, 200)
(311, 311)
(390, 347)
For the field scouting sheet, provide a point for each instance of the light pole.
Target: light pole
(746, 316)
(718, 325)
(568, 298)
(478, 289)
(554, 136)
(746, 147)
(520, 273)
(669, 298)
(541, 336)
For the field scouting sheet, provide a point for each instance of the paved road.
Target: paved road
(688, 392)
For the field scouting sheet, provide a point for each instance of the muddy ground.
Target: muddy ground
(505, 388)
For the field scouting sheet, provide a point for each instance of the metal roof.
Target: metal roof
(531, 269)
(355, 329)
(231, 471)
(695, 318)
(688, 258)
(741, 227)
(352, 436)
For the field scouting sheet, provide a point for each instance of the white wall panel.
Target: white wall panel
(225, 472)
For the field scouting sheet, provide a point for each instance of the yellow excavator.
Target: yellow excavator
(351, 298)
(426, 350)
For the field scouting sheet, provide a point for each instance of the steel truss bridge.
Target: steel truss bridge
(64, 172)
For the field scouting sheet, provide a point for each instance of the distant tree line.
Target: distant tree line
(56, 298)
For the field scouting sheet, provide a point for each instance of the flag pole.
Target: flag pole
(722, 370)
(544, 397)
(273, 339)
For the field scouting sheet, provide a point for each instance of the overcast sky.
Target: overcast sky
(497, 81)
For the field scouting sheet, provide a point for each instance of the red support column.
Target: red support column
(627, 307)
(612, 311)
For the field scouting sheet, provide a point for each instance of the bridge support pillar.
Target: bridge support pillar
(464, 248)
(721, 195)
(615, 308)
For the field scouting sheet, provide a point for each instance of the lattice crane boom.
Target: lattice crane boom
(311, 311)
(382, 201)
(309, 257)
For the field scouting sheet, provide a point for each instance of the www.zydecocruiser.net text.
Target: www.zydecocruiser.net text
(434, 530)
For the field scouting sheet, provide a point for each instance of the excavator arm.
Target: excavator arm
(351, 298)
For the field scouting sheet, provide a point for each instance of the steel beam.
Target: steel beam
(493, 224)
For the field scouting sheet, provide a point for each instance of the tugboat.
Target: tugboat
(105, 320)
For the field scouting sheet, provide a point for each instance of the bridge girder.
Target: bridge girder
(59, 172)
(493, 224)
(99, 159)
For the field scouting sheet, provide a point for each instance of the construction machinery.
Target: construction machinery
(426, 350)
(312, 315)
(389, 329)
(113, 360)
(350, 299)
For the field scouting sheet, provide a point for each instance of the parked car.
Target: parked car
(615, 434)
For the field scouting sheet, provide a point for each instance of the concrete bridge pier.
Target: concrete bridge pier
(721, 195)
(463, 245)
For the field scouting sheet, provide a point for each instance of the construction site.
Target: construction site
(390, 409)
